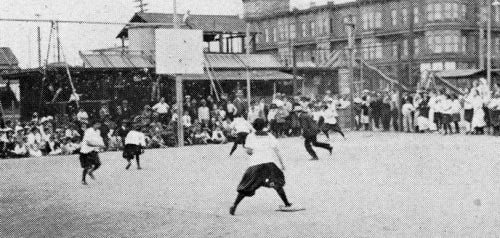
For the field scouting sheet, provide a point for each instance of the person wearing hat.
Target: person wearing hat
(91, 144)
(310, 130)
(135, 142)
(263, 170)
(240, 104)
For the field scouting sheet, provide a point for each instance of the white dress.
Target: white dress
(478, 117)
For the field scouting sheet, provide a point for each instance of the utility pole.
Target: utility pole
(58, 43)
(179, 92)
(350, 40)
(488, 46)
(411, 43)
(249, 84)
(39, 41)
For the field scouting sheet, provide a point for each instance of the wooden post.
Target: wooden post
(178, 93)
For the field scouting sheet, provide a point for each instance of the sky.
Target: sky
(21, 37)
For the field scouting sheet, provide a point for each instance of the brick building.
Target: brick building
(444, 35)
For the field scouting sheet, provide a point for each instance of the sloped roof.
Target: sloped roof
(7, 58)
(132, 59)
(459, 73)
(207, 23)
(255, 75)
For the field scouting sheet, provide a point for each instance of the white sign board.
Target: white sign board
(179, 51)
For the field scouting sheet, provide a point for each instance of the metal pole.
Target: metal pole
(350, 40)
(178, 93)
(247, 42)
(39, 40)
(488, 47)
(58, 43)
(294, 65)
(481, 47)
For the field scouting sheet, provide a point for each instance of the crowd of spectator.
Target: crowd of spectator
(474, 110)
(205, 121)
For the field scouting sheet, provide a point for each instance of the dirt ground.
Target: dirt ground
(375, 185)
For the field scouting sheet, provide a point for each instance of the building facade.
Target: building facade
(403, 38)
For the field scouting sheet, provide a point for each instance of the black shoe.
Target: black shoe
(91, 176)
(128, 166)
(330, 150)
(84, 183)
(139, 168)
(314, 158)
(232, 210)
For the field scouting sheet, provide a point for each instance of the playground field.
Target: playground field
(374, 185)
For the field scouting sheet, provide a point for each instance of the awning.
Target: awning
(133, 59)
(117, 60)
(460, 73)
(255, 75)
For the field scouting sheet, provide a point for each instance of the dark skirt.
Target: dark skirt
(455, 117)
(261, 175)
(487, 116)
(438, 117)
(87, 160)
(446, 118)
(130, 151)
(495, 117)
(241, 138)
(468, 113)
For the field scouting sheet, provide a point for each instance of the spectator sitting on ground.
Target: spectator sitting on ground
(218, 136)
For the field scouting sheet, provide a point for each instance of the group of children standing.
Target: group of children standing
(476, 109)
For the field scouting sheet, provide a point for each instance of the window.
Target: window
(366, 52)
(455, 11)
(464, 44)
(378, 20)
(313, 29)
(365, 21)
(448, 44)
(266, 35)
(327, 26)
(497, 15)
(285, 34)
(378, 52)
(438, 48)
(293, 31)
(430, 12)
(438, 12)
(430, 44)
(448, 12)
(450, 65)
(416, 16)
(455, 44)
(394, 17)
(416, 46)
(463, 12)
(404, 15)
(304, 30)
(405, 48)
(394, 49)
(275, 34)
(497, 45)
(320, 27)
